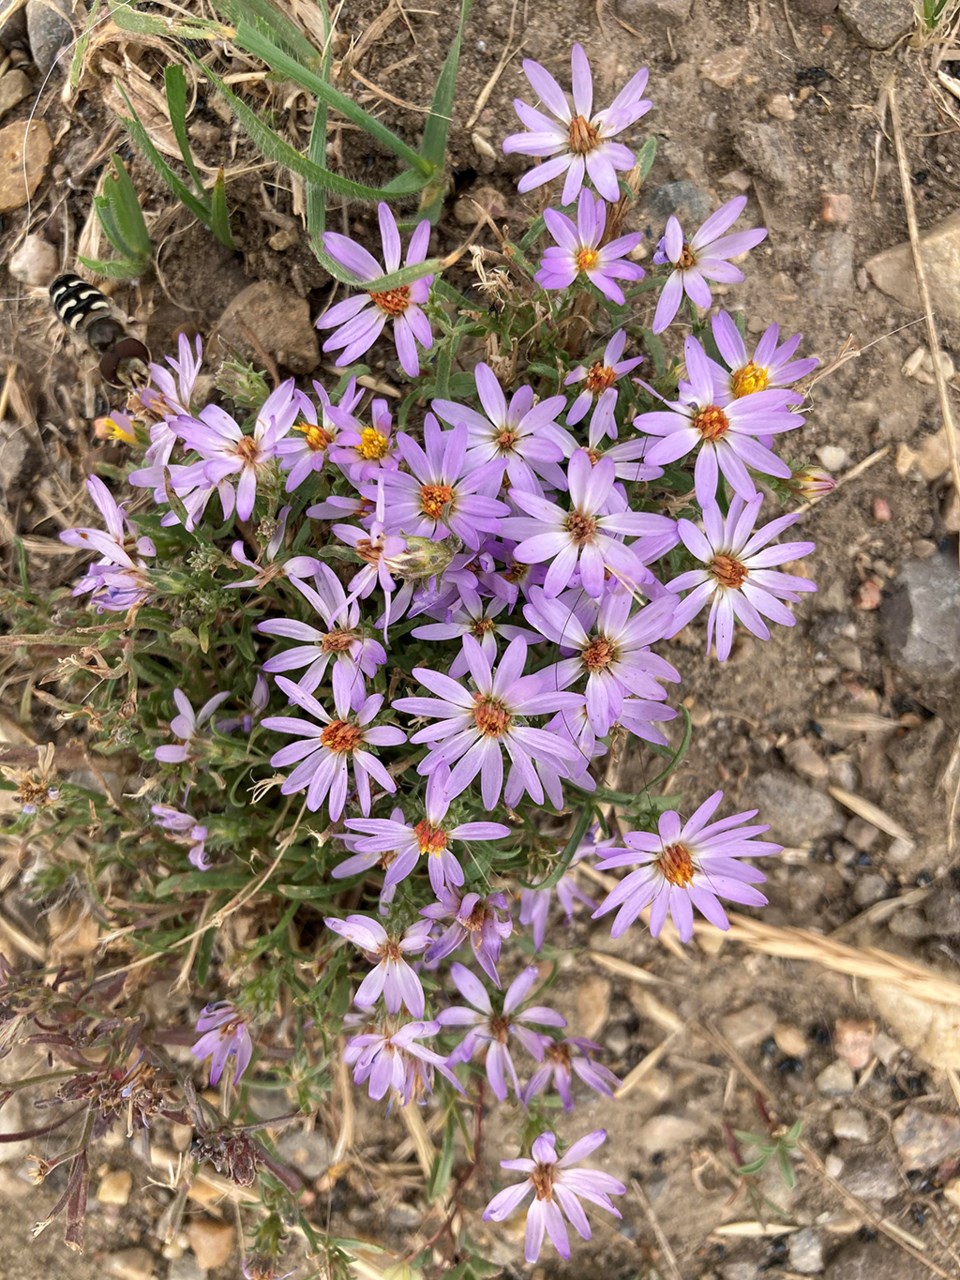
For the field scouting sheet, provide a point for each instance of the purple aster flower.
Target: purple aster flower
(394, 1060)
(340, 640)
(304, 451)
(493, 1029)
(391, 976)
(117, 581)
(705, 257)
(359, 321)
(430, 837)
(471, 615)
(723, 430)
(183, 824)
(565, 1059)
(363, 452)
(612, 641)
(442, 494)
(578, 142)
(579, 251)
(557, 1191)
(169, 392)
(259, 701)
(599, 391)
(226, 450)
(737, 575)
(224, 1033)
(586, 537)
(474, 728)
(523, 437)
(324, 748)
(769, 366)
(270, 568)
(485, 921)
(185, 726)
(682, 866)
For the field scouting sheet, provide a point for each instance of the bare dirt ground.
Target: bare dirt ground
(811, 727)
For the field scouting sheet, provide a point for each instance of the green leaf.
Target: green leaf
(433, 147)
(125, 204)
(142, 139)
(646, 156)
(275, 148)
(175, 85)
(154, 24)
(442, 1165)
(316, 153)
(219, 213)
(260, 46)
(115, 269)
(267, 17)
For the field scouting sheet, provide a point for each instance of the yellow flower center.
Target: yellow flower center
(599, 654)
(752, 377)
(587, 259)
(248, 449)
(599, 377)
(712, 423)
(317, 438)
(433, 499)
(373, 444)
(430, 839)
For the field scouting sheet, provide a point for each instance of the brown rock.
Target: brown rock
(130, 1264)
(780, 107)
(725, 67)
(14, 87)
(211, 1242)
(274, 318)
(24, 155)
(926, 1138)
(892, 270)
(115, 1187)
(835, 207)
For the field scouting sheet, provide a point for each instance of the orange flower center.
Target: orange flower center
(389, 950)
(676, 865)
(337, 641)
(490, 716)
(394, 302)
(599, 377)
(587, 259)
(373, 445)
(599, 654)
(340, 736)
(506, 440)
(560, 1054)
(752, 377)
(728, 571)
(542, 1179)
(430, 839)
(368, 552)
(317, 438)
(581, 527)
(687, 258)
(247, 449)
(500, 1027)
(476, 919)
(583, 136)
(712, 423)
(482, 626)
(516, 572)
(433, 499)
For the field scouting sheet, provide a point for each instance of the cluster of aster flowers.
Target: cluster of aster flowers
(458, 616)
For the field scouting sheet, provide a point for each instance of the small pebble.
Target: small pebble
(870, 889)
(790, 1040)
(115, 1187)
(836, 1080)
(617, 1040)
(881, 510)
(833, 457)
(836, 208)
(805, 1251)
(211, 1242)
(130, 1264)
(853, 1041)
(833, 1165)
(868, 595)
(849, 1123)
(14, 87)
(780, 107)
(35, 262)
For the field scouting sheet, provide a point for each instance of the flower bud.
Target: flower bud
(812, 482)
(423, 558)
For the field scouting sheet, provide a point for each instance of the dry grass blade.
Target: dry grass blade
(856, 962)
(623, 968)
(870, 813)
(426, 1152)
(933, 338)
(753, 1230)
(669, 1257)
(645, 1066)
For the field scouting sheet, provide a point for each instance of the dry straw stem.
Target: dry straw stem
(856, 962)
(933, 340)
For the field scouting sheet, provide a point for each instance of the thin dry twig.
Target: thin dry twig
(933, 338)
(669, 1257)
(484, 95)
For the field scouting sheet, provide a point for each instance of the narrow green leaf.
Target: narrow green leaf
(317, 154)
(115, 269)
(646, 156)
(219, 213)
(434, 145)
(111, 228)
(257, 44)
(266, 17)
(175, 86)
(123, 197)
(275, 148)
(154, 24)
(135, 127)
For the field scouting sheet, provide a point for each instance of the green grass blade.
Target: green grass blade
(125, 203)
(115, 269)
(108, 222)
(275, 148)
(266, 17)
(259, 46)
(175, 86)
(220, 214)
(142, 139)
(316, 210)
(434, 145)
(155, 24)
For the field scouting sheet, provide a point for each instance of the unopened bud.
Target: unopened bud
(812, 482)
(423, 558)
